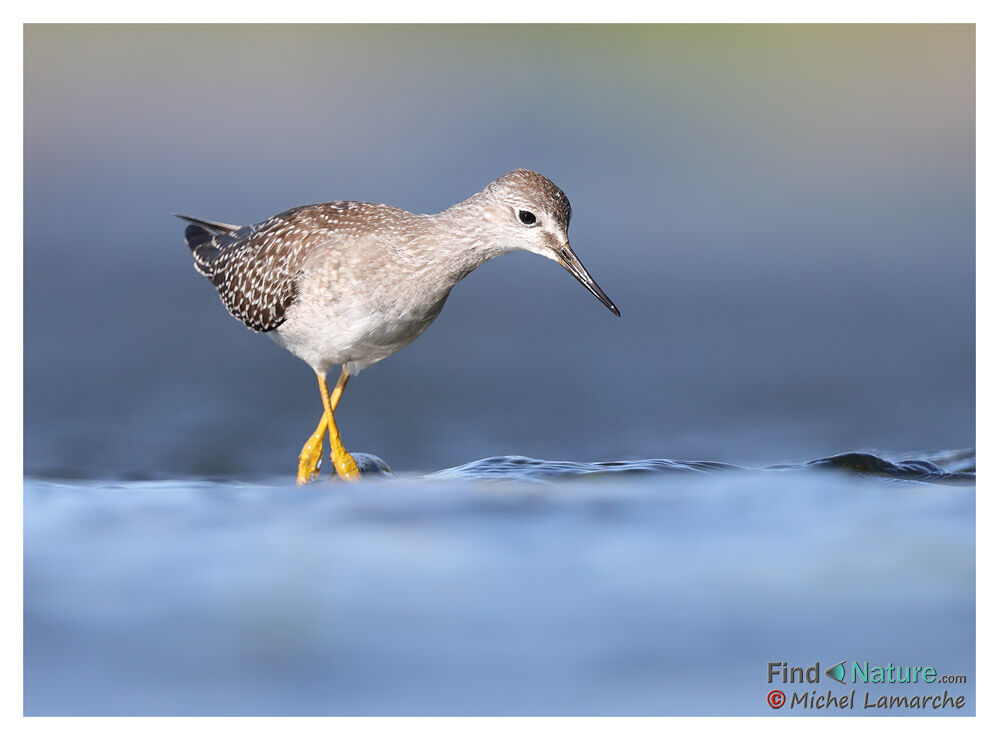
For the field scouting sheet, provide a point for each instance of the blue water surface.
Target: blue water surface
(489, 593)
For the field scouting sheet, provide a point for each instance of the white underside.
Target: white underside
(325, 335)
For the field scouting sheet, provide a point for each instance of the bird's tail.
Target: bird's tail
(202, 237)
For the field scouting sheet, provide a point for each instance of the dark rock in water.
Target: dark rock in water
(372, 465)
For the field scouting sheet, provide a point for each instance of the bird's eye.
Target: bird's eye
(526, 217)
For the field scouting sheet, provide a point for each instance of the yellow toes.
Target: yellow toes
(345, 465)
(311, 457)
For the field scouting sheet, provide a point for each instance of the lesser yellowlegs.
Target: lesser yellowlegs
(350, 283)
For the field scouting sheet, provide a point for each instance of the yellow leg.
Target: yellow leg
(343, 463)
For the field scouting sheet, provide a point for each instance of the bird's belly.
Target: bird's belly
(333, 334)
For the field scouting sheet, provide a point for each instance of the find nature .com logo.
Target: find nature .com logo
(907, 685)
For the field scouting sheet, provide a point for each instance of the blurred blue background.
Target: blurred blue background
(784, 215)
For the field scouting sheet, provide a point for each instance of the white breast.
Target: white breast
(329, 330)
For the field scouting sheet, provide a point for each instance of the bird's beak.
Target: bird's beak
(568, 259)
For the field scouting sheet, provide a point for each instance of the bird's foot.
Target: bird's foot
(311, 456)
(345, 465)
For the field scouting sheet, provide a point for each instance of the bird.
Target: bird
(350, 283)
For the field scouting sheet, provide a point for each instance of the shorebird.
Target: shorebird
(350, 283)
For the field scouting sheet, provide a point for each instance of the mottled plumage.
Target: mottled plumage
(255, 267)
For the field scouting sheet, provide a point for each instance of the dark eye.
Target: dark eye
(526, 217)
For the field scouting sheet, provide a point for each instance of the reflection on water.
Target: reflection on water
(481, 590)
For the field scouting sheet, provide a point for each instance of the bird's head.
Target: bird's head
(527, 211)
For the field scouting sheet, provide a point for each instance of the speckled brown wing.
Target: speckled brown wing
(255, 267)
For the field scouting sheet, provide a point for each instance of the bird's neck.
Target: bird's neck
(464, 237)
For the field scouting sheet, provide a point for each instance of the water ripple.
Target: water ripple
(948, 467)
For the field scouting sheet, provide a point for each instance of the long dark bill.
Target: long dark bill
(568, 259)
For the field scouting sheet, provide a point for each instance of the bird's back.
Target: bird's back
(256, 268)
